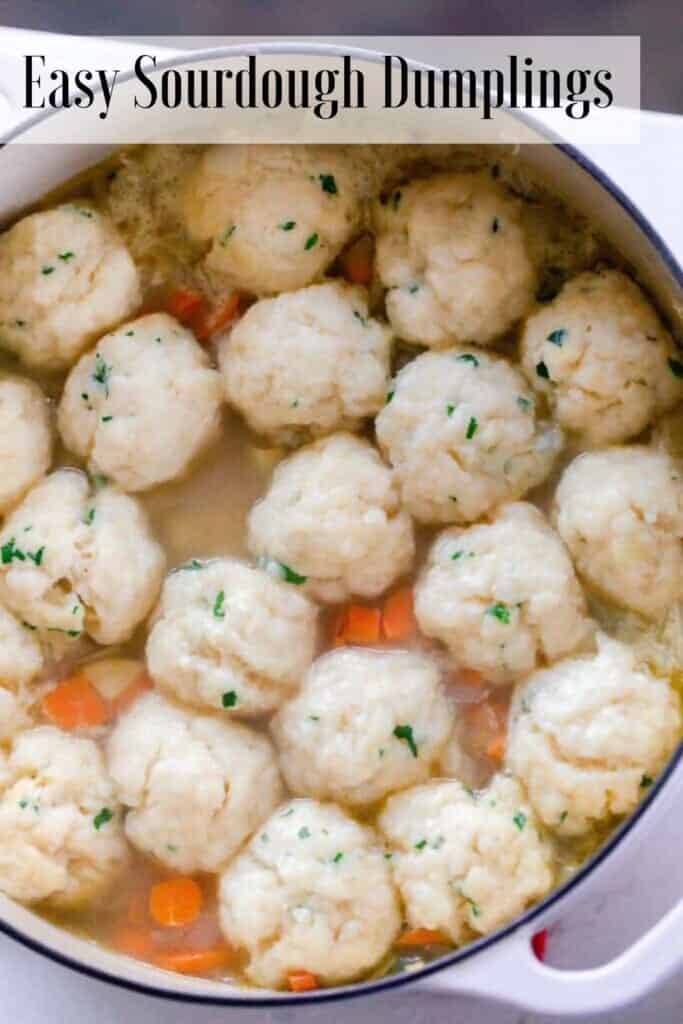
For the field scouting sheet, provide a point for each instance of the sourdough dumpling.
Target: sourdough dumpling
(588, 735)
(196, 786)
(76, 559)
(66, 277)
(25, 438)
(503, 596)
(465, 862)
(61, 835)
(451, 250)
(307, 363)
(231, 637)
(620, 513)
(312, 891)
(602, 357)
(365, 724)
(461, 431)
(142, 404)
(332, 521)
(275, 216)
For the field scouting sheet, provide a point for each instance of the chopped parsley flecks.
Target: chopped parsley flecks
(102, 817)
(191, 566)
(337, 857)
(129, 334)
(389, 396)
(226, 235)
(524, 403)
(467, 357)
(66, 256)
(499, 611)
(328, 184)
(314, 718)
(646, 781)
(9, 551)
(23, 803)
(676, 367)
(107, 419)
(289, 575)
(218, 609)
(362, 319)
(456, 555)
(542, 371)
(563, 817)
(557, 337)
(420, 845)
(405, 733)
(450, 408)
(471, 428)
(36, 556)
(525, 705)
(102, 373)
(286, 814)
(311, 241)
(413, 289)
(99, 480)
(287, 225)
(47, 269)
(495, 226)
(388, 855)
(264, 837)
(304, 832)
(66, 632)
(83, 212)
(89, 517)
(519, 819)
(473, 905)
(229, 699)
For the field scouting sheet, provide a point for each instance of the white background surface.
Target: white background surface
(34, 990)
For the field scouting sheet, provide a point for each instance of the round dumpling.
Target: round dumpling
(365, 724)
(503, 596)
(65, 278)
(196, 786)
(603, 359)
(25, 438)
(588, 735)
(228, 636)
(325, 329)
(451, 250)
(620, 513)
(312, 891)
(332, 521)
(74, 559)
(61, 837)
(465, 862)
(275, 216)
(142, 404)
(461, 431)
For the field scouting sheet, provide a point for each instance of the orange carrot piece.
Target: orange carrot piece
(132, 692)
(301, 981)
(356, 261)
(496, 748)
(420, 937)
(468, 677)
(398, 619)
(133, 941)
(214, 320)
(184, 304)
(358, 624)
(199, 961)
(75, 704)
(175, 902)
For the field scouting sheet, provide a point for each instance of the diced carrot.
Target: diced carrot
(496, 748)
(398, 620)
(184, 304)
(132, 692)
(356, 261)
(214, 320)
(539, 943)
(175, 902)
(419, 937)
(199, 961)
(358, 624)
(133, 941)
(75, 704)
(301, 981)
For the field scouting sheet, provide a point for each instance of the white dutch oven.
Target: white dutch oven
(501, 966)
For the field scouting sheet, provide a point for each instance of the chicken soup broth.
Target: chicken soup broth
(340, 558)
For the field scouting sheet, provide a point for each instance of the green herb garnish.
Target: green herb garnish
(218, 610)
(328, 184)
(102, 817)
(646, 781)
(471, 428)
(287, 225)
(557, 337)
(519, 819)
(542, 370)
(304, 833)
(229, 699)
(499, 611)
(311, 241)
(467, 357)
(405, 733)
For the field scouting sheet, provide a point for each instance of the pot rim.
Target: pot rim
(448, 960)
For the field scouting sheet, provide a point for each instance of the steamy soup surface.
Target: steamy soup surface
(340, 557)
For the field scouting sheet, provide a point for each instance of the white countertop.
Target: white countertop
(37, 991)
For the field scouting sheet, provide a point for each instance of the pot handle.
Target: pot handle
(511, 973)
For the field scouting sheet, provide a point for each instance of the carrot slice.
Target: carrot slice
(133, 941)
(496, 748)
(214, 320)
(301, 981)
(175, 902)
(184, 304)
(420, 937)
(132, 692)
(358, 624)
(75, 704)
(199, 961)
(398, 620)
(356, 261)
